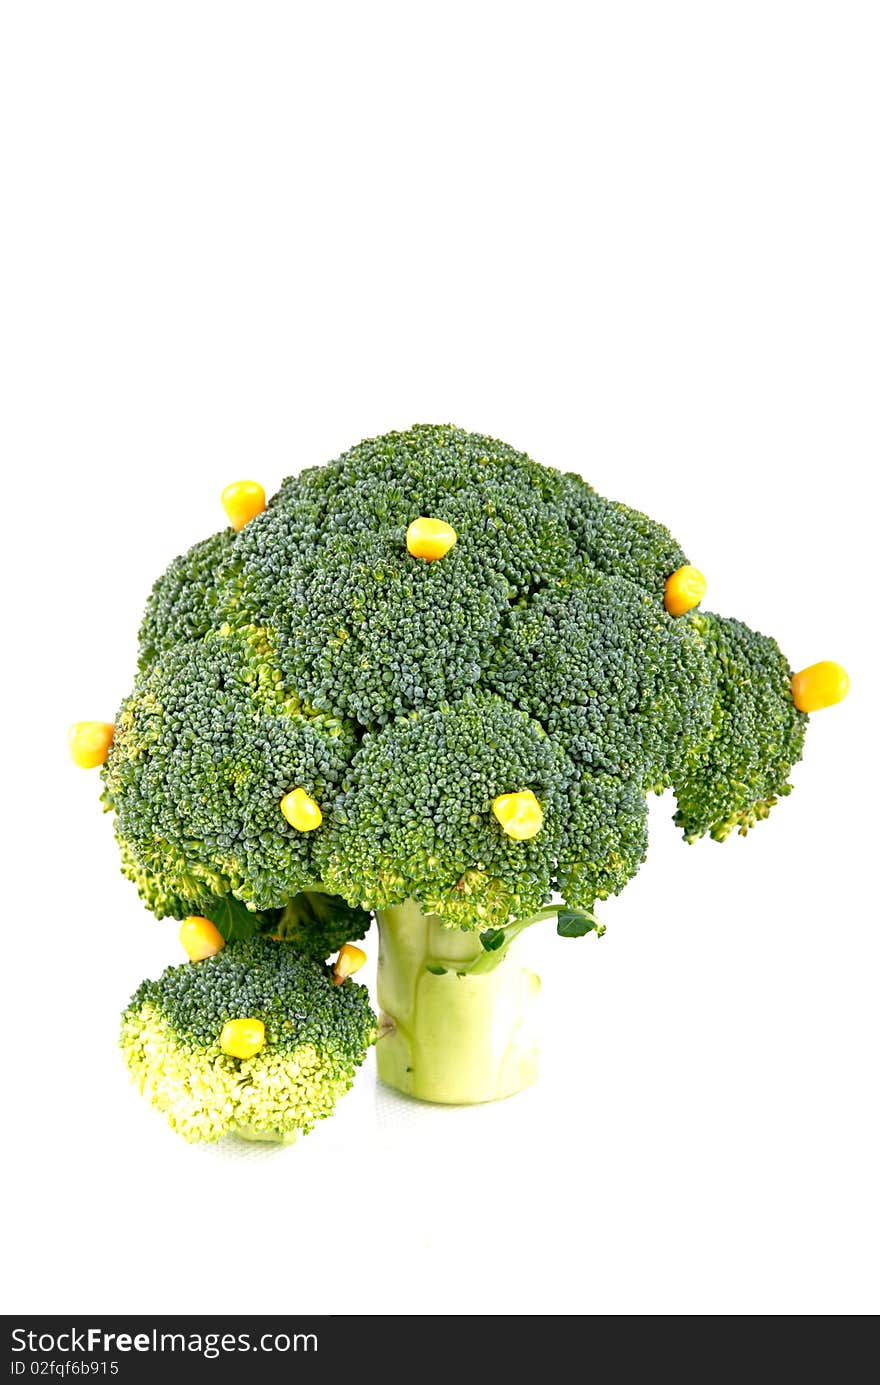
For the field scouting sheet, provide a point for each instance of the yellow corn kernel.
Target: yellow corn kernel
(520, 814)
(89, 742)
(200, 938)
(242, 500)
(820, 685)
(685, 589)
(301, 810)
(243, 1038)
(350, 960)
(430, 538)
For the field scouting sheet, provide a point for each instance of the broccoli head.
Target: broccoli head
(313, 653)
(433, 679)
(314, 1036)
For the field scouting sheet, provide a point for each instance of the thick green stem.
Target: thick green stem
(450, 1031)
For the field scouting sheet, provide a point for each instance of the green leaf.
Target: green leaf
(436, 971)
(232, 918)
(576, 923)
(492, 939)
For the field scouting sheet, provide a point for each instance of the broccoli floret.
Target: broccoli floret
(314, 922)
(166, 882)
(605, 838)
(183, 603)
(620, 541)
(363, 629)
(316, 1036)
(205, 748)
(624, 687)
(371, 633)
(415, 816)
(757, 734)
(507, 507)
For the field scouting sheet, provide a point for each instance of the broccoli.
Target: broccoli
(373, 635)
(182, 605)
(604, 838)
(178, 1032)
(619, 541)
(204, 749)
(615, 679)
(414, 819)
(757, 734)
(317, 923)
(436, 682)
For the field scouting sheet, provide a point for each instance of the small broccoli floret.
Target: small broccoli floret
(757, 733)
(204, 750)
(620, 541)
(183, 603)
(624, 687)
(316, 1035)
(415, 818)
(605, 838)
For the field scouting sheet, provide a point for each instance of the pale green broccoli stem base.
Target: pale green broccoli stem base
(451, 1038)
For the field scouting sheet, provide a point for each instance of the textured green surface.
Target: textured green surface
(312, 650)
(317, 1034)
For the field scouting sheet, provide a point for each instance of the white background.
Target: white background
(637, 240)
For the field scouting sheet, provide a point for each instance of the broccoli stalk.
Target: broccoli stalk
(449, 1031)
